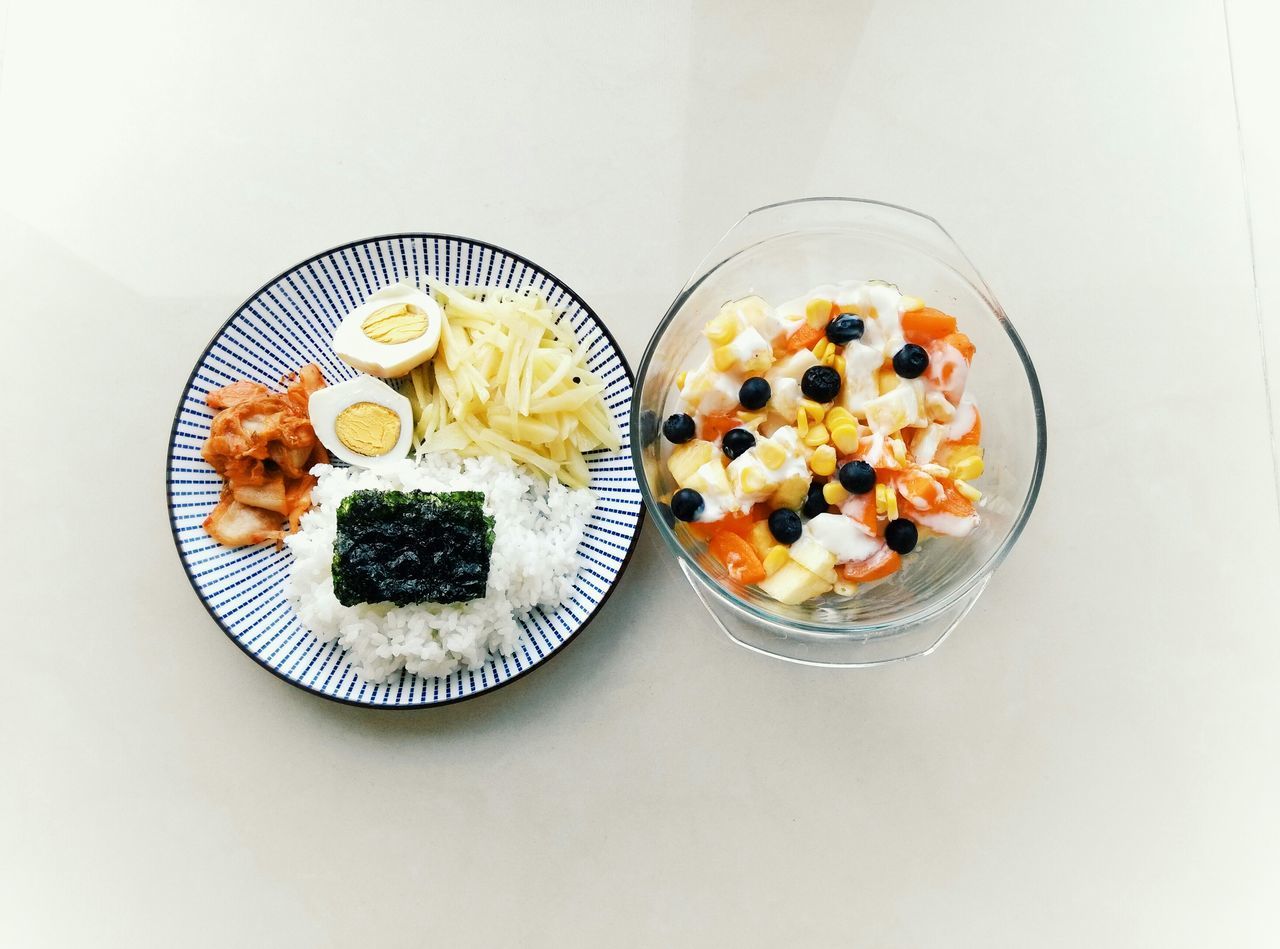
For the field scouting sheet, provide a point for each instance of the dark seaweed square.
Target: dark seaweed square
(407, 547)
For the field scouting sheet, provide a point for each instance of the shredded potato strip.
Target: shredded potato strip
(511, 380)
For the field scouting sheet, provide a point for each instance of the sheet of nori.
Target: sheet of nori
(407, 547)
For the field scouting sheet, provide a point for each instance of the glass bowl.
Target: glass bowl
(780, 252)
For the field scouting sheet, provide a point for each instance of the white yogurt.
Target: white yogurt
(842, 537)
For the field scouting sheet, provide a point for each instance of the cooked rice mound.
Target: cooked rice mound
(538, 527)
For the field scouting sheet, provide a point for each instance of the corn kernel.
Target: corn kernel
(818, 435)
(723, 358)
(823, 461)
(967, 469)
(936, 471)
(680, 380)
(844, 588)
(752, 481)
(899, 449)
(890, 503)
(770, 454)
(967, 490)
(834, 492)
(837, 414)
(838, 364)
(817, 313)
(775, 559)
(802, 421)
(721, 330)
(815, 411)
(830, 358)
(820, 348)
(758, 362)
(881, 502)
(845, 438)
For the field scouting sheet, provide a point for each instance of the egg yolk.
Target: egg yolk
(398, 323)
(368, 428)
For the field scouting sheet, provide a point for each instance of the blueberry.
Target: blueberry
(785, 526)
(901, 535)
(755, 393)
(686, 504)
(815, 502)
(736, 441)
(845, 328)
(857, 477)
(820, 383)
(910, 361)
(679, 428)
(648, 427)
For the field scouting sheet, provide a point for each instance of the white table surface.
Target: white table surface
(1090, 760)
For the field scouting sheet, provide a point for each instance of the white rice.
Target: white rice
(538, 526)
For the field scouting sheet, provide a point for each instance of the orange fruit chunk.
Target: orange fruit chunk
(803, 338)
(926, 324)
(951, 502)
(961, 342)
(876, 567)
(713, 426)
(739, 522)
(861, 508)
(738, 556)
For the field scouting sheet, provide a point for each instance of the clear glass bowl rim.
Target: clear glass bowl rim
(933, 606)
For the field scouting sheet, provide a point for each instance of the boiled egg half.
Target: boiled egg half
(363, 421)
(394, 330)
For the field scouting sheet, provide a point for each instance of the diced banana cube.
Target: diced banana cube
(762, 538)
(895, 410)
(710, 479)
(749, 351)
(925, 443)
(786, 397)
(815, 558)
(794, 584)
(861, 365)
(817, 312)
(688, 458)
(749, 311)
(792, 367)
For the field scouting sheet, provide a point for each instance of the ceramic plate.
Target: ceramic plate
(289, 323)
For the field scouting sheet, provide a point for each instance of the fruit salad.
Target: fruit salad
(820, 441)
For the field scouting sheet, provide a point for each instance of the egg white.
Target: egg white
(388, 360)
(328, 403)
